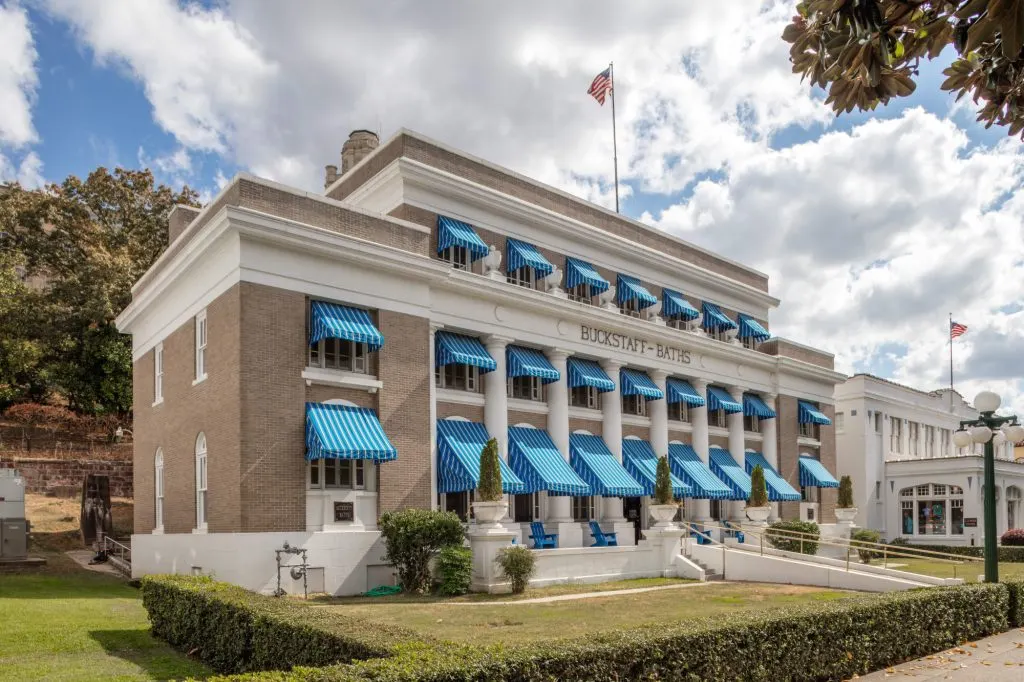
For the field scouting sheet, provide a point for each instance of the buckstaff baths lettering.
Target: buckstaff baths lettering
(632, 344)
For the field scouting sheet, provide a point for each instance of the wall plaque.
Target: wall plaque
(344, 511)
(971, 522)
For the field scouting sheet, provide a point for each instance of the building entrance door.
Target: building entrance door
(633, 509)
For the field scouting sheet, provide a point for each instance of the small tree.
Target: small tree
(802, 536)
(663, 482)
(845, 493)
(411, 539)
(489, 489)
(867, 552)
(517, 565)
(758, 489)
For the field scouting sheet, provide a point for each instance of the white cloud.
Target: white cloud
(28, 172)
(18, 78)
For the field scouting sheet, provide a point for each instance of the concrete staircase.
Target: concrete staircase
(710, 573)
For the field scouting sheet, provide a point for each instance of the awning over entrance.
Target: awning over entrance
(459, 444)
(641, 463)
(779, 489)
(715, 319)
(753, 406)
(719, 399)
(751, 329)
(682, 391)
(452, 232)
(581, 272)
(333, 321)
(452, 349)
(674, 304)
(813, 474)
(529, 362)
(538, 463)
(523, 254)
(635, 382)
(686, 464)
(594, 462)
(345, 432)
(809, 414)
(725, 467)
(588, 373)
(629, 289)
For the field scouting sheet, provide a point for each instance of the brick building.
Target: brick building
(304, 362)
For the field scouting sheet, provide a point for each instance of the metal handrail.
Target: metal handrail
(121, 551)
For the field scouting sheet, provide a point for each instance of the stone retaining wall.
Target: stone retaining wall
(63, 478)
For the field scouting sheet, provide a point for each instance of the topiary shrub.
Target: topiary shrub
(412, 537)
(489, 489)
(1013, 538)
(455, 564)
(758, 489)
(793, 543)
(866, 552)
(663, 482)
(845, 493)
(517, 565)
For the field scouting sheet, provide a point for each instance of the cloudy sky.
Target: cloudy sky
(873, 227)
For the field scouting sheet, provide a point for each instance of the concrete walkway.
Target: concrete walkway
(82, 558)
(994, 659)
(589, 595)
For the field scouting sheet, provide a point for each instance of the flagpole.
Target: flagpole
(950, 333)
(615, 146)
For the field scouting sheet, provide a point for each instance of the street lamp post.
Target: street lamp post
(992, 430)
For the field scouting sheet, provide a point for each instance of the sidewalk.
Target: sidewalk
(995, 659)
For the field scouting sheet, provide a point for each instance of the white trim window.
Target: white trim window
(348, 356)
(526, 508)
(458, 258)
(634, 404)
(810, 493)
(717, 418)
(201, 482)
(750, 342)
(526, 388)
(932, 509)
(751, 424)
(581, 294)
(525, 277)
(158, 374)
(718, 334)
(335, 474)
(583, 508)
(631, 308)
(679, 412)
(158, 491)
(458, 377)
(585, 396)
(810, 430)
(895, 435)
(202, 337)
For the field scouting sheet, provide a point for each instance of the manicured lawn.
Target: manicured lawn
(969, 571)
(69, 624)
(520, 623)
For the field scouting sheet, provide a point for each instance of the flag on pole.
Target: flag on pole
(956, 329)
(601, 86)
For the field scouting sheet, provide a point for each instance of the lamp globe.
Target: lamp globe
(986, 401)
(962, 439)
(981, 434)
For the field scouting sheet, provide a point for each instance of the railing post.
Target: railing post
(801, 544)
(723, 560)
(847, 558)
(885, 555)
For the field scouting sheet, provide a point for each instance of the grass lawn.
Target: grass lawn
(969, 571)
(520, 623)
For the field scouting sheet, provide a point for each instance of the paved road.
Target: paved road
(994, 659)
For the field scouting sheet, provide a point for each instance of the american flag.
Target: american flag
(956, 329)
(601, 86)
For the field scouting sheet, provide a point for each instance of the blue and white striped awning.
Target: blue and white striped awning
(753, 406)
(452, 232)
(629, 289)
(529, 362)
(779, 489)
(686, 464)
(345, 432)
(714, 318)
(729, 472)
(752, 329)
(682, 391)
(588, 373)
(535, 459)
(813, 474)
(675, 305)
(333, 321)
(581, 272)
(594, 462)
(456, 349)
(459, 444)
(635, 382)
(809, 414)
(525, 255)
(719, 399)
(642, 464)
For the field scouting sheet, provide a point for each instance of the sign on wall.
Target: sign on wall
(971, 522)
(344, 511)
(634, 344)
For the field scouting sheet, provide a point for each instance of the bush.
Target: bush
(412, 537)
(845, 500)
(517, 565)
(1016, 602)
(456, 566)
(794, 543)
(663, 482)
(489, 489)
(235, 630)
(866, 552)
(758, 489)
(1011, 555)
(1013, 538)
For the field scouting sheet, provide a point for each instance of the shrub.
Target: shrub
(845, 493)
(663, 482)
(489, 489)
(1013, 538)
(794, 543)
(1016, 602)
(456, 566)
(1007, 554)
(412, 537)
(517, 565)
(758, 489)
(866, 552)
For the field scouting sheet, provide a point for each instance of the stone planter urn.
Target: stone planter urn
(758, 515)
(488, 514)
(846, 514)
(663, 515)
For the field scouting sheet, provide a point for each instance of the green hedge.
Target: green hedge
(1016, 602)
(1013, 555)
(235, 630)
(824, 641)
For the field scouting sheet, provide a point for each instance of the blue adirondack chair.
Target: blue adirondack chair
(602, 539)
(703, 537)
(737, 533)
(540, 538)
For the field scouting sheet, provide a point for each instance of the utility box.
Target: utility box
(13, 526)
(13, 538)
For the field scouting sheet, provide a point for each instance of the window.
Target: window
(201, 482)
(458, 503)
(956, 517)
(717, 509)
(333, 474)
(810, 494)
(677, 323)
(878, 422)
(201, 346)
(895, 434)
(458, 257)
(158, 374)
(752, 424)
(679, 412)
(158, 490)
(585, 396)
(751, 342)
(878, 490)
(582, 508)
(581, 294)
(526, 508)
(717, 418)
(914, 434)
(523, 277)
(907, 517)
(631, 308)
(348, 356)
(634, 404)
(809, 431)
(525, 388)
(932, 509)
(458, 377)
(718, 334)
(840, 421)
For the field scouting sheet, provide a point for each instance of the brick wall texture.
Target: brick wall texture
(789, 451)
(592, 425)
(63, 478)
(801, 353)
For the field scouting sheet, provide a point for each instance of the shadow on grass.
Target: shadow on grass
(155, 658)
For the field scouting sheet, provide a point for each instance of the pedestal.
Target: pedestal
(485, 543)
(571, 534)
(667, 544)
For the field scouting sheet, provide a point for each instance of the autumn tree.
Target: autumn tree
(865, 52)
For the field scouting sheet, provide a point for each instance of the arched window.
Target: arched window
(932, 509)
(333, 473)
(201, 482)
(158, 490)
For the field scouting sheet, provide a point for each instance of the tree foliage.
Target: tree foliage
(489, 489)
(865, 52)
(412, 537)
(663, 482)
(845, 493)
(69, 255)
(758, 488)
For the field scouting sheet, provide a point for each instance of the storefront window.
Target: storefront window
(931, 517)
(932, 509)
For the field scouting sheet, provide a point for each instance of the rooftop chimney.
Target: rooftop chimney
(330, 175)
(358, 145)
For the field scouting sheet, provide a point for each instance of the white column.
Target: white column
(700, 509)
(611, 408)
(433, 422)
(559, 507)
(737, 448)
(770, 446)
(496, 401)
(658, 410)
